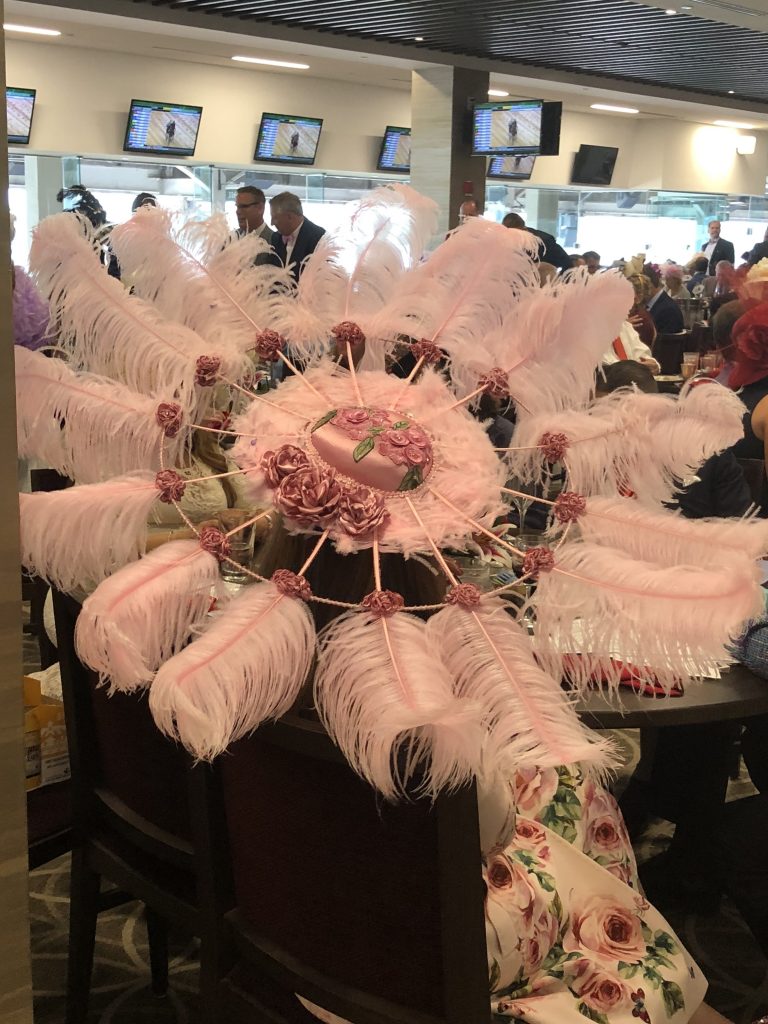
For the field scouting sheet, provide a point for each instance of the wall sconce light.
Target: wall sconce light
(745, 145)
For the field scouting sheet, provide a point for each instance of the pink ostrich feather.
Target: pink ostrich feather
(466, 471)
(86, 427)
(225, 297)
(246, 666)
(553, 340)
(387, 702)
(529, 720)
(667, 537)
(77, 537)
(141, 616)
(669, 622)
(113, 332)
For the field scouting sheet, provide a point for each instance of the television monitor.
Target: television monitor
(395, 153)
(593, 165)
(162, 128)
(19, 105)
(506, 127)
(551, 116)
(511, 168)
(286, 139)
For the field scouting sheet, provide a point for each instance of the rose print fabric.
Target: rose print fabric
(569, 935)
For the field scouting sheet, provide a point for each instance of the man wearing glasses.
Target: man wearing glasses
(249, 205)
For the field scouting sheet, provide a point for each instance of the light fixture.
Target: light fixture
(615, 110)
(732, 124)
(745, 145)
(671, 10)
(32, 31)
(419, 39)
(731, 92)
(497, 92)
(272, 63)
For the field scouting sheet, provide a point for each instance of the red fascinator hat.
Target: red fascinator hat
(750, 347)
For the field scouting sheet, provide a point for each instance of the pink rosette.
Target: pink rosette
(269, 345)
(361, 510)
(169, 417)
(170, 485)
(426, 350)
(495, 383)
(383, 603)
(290, 584)
(538, 560)
(606, 927)
(348, 333)
(214, 542)
(554, 446)
(207, 371)
(310, 497)
(465, 595)
(534, 789)
(601, 990)
(276, 466)
(569, 506)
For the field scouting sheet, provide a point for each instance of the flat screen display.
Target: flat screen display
(19, 105)
(162, 128)
(395, 154)
(511, 168)
(551, 116)
(287, 139)
(507, 127)
(593, 165)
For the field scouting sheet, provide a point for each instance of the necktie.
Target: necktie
(286, 239)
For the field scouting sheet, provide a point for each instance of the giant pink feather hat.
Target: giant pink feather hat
(368, 462)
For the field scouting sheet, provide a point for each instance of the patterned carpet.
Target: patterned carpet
(722, 944)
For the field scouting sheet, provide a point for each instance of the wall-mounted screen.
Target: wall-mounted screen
(506, 127)
(19, 105)
(511, 168)
(287, 139)
(162, 128)
(593, 165)
(395, 153)
(551, 116)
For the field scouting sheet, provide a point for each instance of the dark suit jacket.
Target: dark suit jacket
(306, 243)
(722, 251)
(552, 252)
(667, 315)
(721, 489)
(757, 252)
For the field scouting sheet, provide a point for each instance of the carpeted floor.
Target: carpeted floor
(722, 945)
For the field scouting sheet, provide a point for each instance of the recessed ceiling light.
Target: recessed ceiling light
(497, 92)
(419, 39)
(32, 31)
(731, 92)
(671, 10)
(616, 110)
(272, 63)
(732, 124)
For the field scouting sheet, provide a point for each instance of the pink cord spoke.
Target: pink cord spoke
(250, 522)
(522, 494)
(474, 523)
(435, 549)
(353, 374)
(315, 552)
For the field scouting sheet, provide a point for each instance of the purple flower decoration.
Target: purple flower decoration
(361, 510)
(268, 345)
(426, 350)
(276, 466)
(495, 383)
(169, 417)
(291, 585)
(383, 603)
(538, 560)
(207, 371)
(170, 485)
(569, 506)
(309, 496)
(214, 542)
(348, 333)
(554, 446)
(465, 595)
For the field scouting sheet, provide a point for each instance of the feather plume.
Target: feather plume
(247, 665)
(77, 537)
(386, 699)
(228, 302)
(579, 315)
(667, 537)
(667, 622)
(462, 294)
(142, 615)
(86, 427)
(529, 720)
(112, 332)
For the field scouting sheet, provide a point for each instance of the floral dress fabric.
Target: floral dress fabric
(569, 935)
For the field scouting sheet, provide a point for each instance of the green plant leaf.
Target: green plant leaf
(411, 480)
(323, 420)
(546, 881)
(652, 975)
(663, 940)
(673, 997)
(628, 970)
(364, 448)
(590, 1014)
(493, 981)
(400, 425)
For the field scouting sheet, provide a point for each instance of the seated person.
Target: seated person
(699, 269)
(665, 312)
(672, 275)
(628, 346)
(639, 316)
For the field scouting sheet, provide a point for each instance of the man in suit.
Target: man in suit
(250, 203)
(757, 252)
(717, 248)
(295, 237)
(665, 312)
(552, 253)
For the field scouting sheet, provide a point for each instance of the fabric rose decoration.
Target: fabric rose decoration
(535, 948)
(605, 831)
(348, 333)
(361, 511)
(383, 603)
(601, 991)
(534, 789)
(356, 423)
(276, 466)
(309, 496)
(169, 417)
(214, 542)
(269, 345)
(290, 584)
(170, 485)
(207, 371)
(409, 446)
(554, 446)
(513, 890)
(465, 595)
(427, 351)
(495, 383)
(607, 928)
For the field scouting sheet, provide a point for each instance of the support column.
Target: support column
(541, 209)
(15, 968)
(441, 138)
(42, 182)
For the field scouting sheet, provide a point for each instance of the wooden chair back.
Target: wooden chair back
(371, 910)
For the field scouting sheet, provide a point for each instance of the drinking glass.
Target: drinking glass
(687, 370)
(691, 357)
(240, 544)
